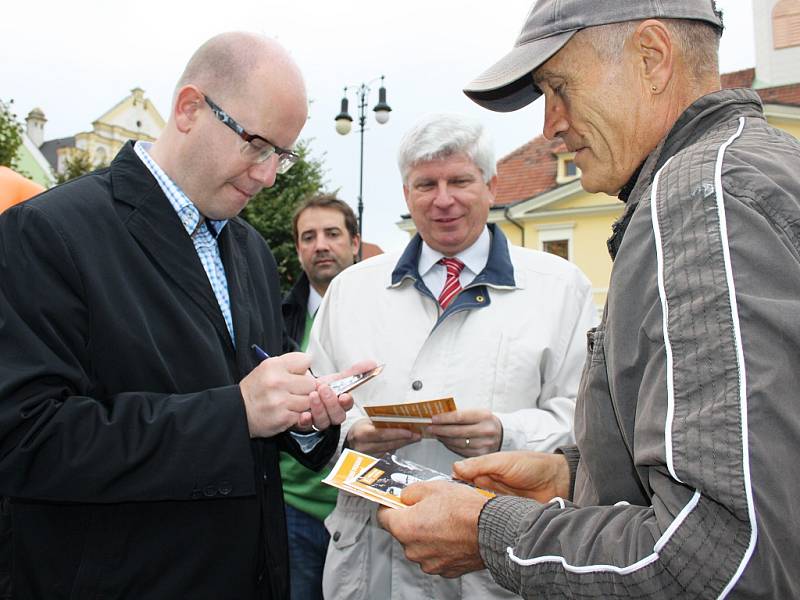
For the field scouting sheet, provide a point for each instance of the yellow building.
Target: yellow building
(133, 118)
(540, 203)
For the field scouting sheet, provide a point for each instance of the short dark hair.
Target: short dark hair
(327, 201)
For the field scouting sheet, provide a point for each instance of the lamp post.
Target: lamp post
(344, 123)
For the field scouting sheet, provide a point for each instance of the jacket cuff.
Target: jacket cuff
(498, 527)
(573, 456)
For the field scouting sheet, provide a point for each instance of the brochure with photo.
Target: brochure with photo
(382, 479)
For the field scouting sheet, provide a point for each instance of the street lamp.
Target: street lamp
(344, 123)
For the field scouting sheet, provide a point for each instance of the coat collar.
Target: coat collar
(151, 219)
(697, 120)
(498, 272)
(298, 295)
(701, 116)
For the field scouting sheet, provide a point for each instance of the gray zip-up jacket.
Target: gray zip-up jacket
(688, 417)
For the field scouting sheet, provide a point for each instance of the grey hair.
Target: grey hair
(440, 136)
(697, 41)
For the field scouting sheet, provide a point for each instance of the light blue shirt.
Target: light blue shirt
(205, 243)
(196, 225)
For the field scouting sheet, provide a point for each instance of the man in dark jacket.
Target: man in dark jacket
(326, 238)
(139, 435)
(687, 421)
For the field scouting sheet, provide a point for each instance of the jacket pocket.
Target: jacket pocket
(347, 561)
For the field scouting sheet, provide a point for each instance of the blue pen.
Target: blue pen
(261, 354)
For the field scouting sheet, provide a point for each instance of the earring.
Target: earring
(654, 88)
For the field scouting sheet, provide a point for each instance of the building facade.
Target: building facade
(134, 117)
(540, 203)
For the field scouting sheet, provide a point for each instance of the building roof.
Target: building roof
(528, 171)
(50, 149)
(531, 170)
(738, 79)
(369, 250)
(788, 95)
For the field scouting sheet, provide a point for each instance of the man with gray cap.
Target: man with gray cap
(686, 420)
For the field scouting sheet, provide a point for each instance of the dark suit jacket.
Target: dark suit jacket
(295, 309)
(124, 449)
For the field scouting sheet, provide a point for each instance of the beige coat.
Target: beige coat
(514, 345)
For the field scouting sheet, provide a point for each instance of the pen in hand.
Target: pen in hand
(261, 354)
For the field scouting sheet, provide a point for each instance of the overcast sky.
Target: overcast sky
(77, 59)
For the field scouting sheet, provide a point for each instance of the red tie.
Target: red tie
(452, 285)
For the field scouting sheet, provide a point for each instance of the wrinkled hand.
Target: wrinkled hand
(325, 407)
(537, 475)
(440, 529)
(276, 393)
(483, 430)
(365, 437)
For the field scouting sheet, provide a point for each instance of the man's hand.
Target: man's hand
(468, 432)
(537, 475)
(276, 393)
(325, 408)
(365, 437)
(440, 530)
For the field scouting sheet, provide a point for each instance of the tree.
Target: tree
(10, 135)
(79, 163)
(270, 211)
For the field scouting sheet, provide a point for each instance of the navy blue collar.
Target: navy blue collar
(498, 272)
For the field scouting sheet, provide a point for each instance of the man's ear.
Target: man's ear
(492, 185)
(655, 47)
(356, 245)
(405, 195)
(188, 103)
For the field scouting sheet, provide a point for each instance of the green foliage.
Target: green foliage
(270, 211)
(10, 135)
(76, 165)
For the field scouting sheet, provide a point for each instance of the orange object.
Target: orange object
(14, 188)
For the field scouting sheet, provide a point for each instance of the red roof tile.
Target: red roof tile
(368, 250)
(737, 79)
(784, 94)
(531, 170)
(528, 171)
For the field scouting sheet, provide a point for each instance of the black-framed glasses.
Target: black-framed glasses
(256, 149)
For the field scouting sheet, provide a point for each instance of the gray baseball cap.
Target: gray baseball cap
(507, 85)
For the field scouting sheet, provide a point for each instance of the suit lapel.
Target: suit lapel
(231, 244)
(159, 231)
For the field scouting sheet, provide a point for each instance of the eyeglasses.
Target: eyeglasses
(256, 148)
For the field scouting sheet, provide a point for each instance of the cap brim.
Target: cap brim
(507, 85)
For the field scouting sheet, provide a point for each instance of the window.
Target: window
(557, 247)
(786, 24)
(556, 238)
(100, 156)
(567, 169)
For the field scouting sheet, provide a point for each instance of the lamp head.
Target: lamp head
(344, 122)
